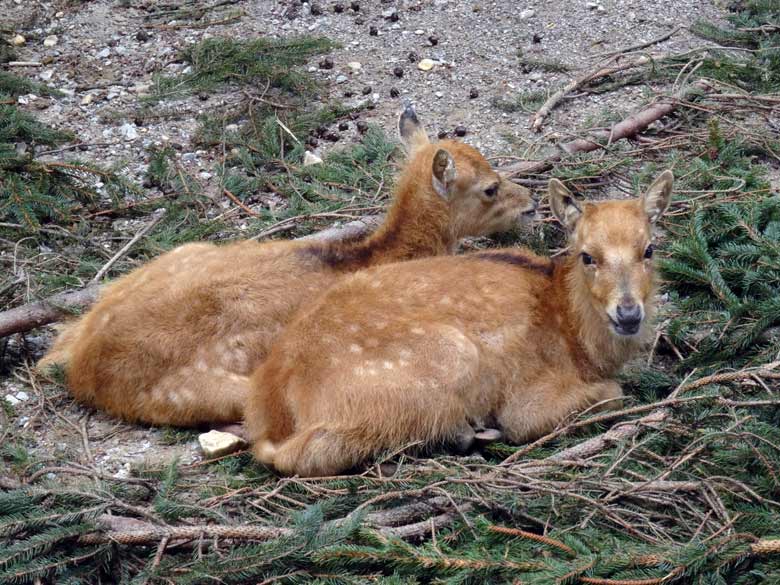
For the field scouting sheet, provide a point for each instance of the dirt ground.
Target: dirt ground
(106, 54)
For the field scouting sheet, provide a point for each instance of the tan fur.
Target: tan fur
(418, 351)
(175, 341)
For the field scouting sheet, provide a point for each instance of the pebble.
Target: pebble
(354, 66)
(46, 75)
(343, 126)
(189, 156)
(419, 31)
(216, 444)
(50, 41)
(442, 134)
(434, 40)
(11, 399)
(536, 76)
(361, 126)
(366, 90)
(315, 9)
(59, 14)
(142, 36)
(390, 14)
(103, 53)
(528, 13)
(460, 131)
(341, 79)
(373, 31)
(474, 93)
(18, 41)
(413, 57)
(439, 94)
(87, 99)
(326, 63)
(128, 132)
(425, 65)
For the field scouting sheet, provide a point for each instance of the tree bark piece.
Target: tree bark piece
(64, 304)
(627, 128)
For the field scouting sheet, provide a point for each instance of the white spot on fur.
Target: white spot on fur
(381, 324)
(418, 331)
(387, 365)
(376, 284)
(355, 348)
(405, 353)
(372, 342)
(201, 366)
(354, 328)
(105, 319)
(445, 300)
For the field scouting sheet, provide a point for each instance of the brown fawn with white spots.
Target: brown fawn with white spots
(418, 352)
(174, 342)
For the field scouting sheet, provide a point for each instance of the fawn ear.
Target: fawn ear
(563, 204)
(411, 131)
(657, 198)
(443, 173)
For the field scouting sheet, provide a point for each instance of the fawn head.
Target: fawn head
(612, 243)
(480, 201)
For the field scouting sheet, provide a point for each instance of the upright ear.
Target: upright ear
(657, 198)
(563, 204)
(443, 171)
(411, 131)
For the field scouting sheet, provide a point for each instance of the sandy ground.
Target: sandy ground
(105, 58)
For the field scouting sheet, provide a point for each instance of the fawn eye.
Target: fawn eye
(491, 191)
(587, 259)
(649, 252)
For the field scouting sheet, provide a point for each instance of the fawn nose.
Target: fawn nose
(534, 205)
(629, 316)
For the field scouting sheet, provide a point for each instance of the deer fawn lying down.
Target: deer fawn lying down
(418, 351)
(175, 341)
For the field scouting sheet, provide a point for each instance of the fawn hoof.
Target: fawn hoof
(487, 436)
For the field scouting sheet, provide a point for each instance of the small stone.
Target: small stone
(332, 136)
(592, 5)
(394, 93)
(460, 131)
(50, 41)
(102, 54)
(59, 14)
(315, 9)
(216, 444)
(419, 31)
(528, 13)
(536, 39)
(142, 36)
(354, 66)
(366, 90)
(128, 132)
(390, 14)
(341, 79)
(343, 126)
(398, 72)
(434, 40)
(46, 75)
(600, 8)
(11, 399)
(442, 134)
(18, 41)
(22, 396)
(338, 8)
(362, 126)
(87, 99)
(326, 63)
(536, 76)
(439, 94)
(373, 31)
(425, 65)
(354, 6)
(413, 57)
(474, 93)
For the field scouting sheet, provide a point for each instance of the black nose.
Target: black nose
(629, 316)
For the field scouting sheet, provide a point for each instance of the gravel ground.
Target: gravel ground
(104, 59)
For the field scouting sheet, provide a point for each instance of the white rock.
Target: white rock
(439, 94)
(46, 75)
(389, 12)
(354, 66)
(535, 76)
(59, 14)
(50, 41)
(128, 131)
(341, 79)
(592, 5)
(23, 396)
(426, 65)
(103, 53)
(309, 158)
(18, 41)
(11, 399)
(419, 31)
(216, 444)
(526, 14)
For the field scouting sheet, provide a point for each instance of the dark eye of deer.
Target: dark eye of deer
(649, 252)
(491, 191)
(587, 259)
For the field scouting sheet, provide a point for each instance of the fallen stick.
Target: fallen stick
(627, 128)
(66, 303)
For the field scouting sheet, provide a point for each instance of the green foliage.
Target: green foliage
(259, 62)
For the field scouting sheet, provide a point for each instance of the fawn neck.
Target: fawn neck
(598, 351)
(417, 225)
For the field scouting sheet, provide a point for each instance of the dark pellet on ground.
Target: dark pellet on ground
(326, 63)
(316, 9)
(394, 92)
(362, 126)
(460, 131)
(366, 90)
(442, 135)
(338, 8)
(434, 40)
(474, 94)
(413, 57)
(398, 72)
(311, 141)
(536, 39)
(354, 6)
(359, 21)
(203, 96)
(332, 137)
(373, 31)
(348, 94)
(343, 126)
(142, 36)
